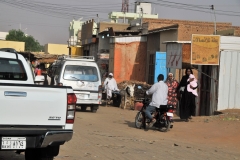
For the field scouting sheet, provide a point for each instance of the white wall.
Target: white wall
(3, 35)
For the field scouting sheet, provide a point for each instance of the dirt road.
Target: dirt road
(111, 134)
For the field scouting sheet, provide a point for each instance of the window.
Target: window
(81, 73)
(12, 70)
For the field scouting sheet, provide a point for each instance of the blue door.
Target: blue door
(160, 65)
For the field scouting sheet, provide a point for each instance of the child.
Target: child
(192, 83)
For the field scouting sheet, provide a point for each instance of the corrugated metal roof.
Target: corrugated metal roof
(172, 27)
(229, 43)
(128, 39)
(123, 31)
(176, 42)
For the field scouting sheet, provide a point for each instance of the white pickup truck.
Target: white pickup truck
(33, 118)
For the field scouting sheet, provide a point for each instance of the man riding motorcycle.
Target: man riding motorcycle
(160, 95)
(110, 85)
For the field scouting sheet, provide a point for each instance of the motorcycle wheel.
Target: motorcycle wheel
(138, 120)
(164, 124)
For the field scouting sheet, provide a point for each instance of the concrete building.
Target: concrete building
(143, 7)
(142, 10)
(161, 30)
(3, 35)
(18, 46)
(75, 29)
(88, 38)
(115, 16)
(58, 49)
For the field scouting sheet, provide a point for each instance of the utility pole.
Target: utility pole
(125, 5)
(141, 16)
(97, 19)
(215, 28)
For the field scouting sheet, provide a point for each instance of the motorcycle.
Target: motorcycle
(116, 98)
(163, 115)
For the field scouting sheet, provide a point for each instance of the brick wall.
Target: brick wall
(187, 28)
(158, 23)
(237, 31)
(185, 31)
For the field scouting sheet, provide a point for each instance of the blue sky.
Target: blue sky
(48, 20)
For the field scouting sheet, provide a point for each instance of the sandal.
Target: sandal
(152, 122)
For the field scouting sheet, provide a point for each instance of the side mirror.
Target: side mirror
(139, 87)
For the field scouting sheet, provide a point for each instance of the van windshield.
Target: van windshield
(81, 73)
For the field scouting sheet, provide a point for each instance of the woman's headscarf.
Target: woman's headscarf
(169, 75)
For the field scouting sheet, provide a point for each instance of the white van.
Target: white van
(83, 75)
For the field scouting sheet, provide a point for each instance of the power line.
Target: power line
(54, 11)
(198, 9)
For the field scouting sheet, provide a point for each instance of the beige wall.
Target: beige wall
(171, 35)
(115, 26)
(57, 49)
(77, 51)
(18, 46)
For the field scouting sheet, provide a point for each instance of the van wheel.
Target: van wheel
(94, 108)
(83, 108)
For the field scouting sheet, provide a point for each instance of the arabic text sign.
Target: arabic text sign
(205, 49)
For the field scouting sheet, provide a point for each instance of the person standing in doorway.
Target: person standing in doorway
(172, 90)
(187, 102)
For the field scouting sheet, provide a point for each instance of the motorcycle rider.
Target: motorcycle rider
(110, 85)
(159, 93)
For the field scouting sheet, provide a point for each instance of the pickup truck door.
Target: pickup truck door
(33, 105)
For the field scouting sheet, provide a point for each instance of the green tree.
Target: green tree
(30, 43)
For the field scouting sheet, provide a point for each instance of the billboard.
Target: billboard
(205, 49)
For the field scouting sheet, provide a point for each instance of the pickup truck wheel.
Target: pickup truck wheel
(35, 154)
(94, 108)
(83, 108)
(42, 153)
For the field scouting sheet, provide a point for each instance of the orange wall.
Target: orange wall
(130, 61)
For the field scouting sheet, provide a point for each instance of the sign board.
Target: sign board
(174, 55)
(205, 49)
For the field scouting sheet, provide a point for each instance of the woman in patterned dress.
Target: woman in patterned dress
(172, 90)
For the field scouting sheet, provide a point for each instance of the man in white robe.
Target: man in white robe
(110, 85)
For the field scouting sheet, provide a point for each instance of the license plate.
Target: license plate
(169, 114)
(83, 96)
(13, 143)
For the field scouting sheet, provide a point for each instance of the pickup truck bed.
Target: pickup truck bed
(34, 118)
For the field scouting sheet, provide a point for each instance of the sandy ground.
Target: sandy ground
(111, 134)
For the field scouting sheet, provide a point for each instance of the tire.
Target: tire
(42, 153)
(35, 154)
(94, 108)
(83, 108)
(164, 124)
(138, 120)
